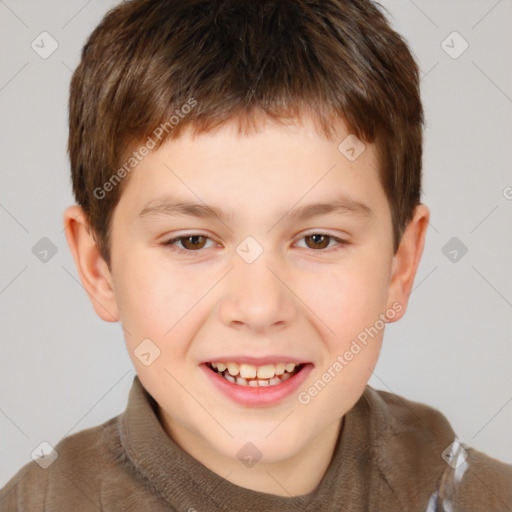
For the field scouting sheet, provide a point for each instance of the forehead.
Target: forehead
(222, 172)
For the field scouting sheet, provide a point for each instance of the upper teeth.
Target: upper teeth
(249, 371)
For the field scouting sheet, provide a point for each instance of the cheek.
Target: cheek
(347, 299)
(154, 297)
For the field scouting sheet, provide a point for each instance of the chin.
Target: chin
(272, 449)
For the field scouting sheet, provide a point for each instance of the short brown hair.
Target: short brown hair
(331, 59)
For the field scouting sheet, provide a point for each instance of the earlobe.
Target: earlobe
(407, 259)
(92, 269)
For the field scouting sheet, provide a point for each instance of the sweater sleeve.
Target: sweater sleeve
(476, 482)
(75, 475)
(25, 491)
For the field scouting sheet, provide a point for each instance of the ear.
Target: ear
(406, 261)
(92, 268)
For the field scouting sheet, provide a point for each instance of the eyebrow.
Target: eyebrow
(174, 207)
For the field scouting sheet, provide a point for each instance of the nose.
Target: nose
(257, 296)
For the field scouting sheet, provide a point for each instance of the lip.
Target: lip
(260, 396)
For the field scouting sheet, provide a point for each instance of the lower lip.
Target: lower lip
(260, 396)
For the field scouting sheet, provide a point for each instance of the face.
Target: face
(267, 278)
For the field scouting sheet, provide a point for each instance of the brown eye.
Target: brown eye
(190, 243)
(319, 241)
(193, 242)
(323, 243)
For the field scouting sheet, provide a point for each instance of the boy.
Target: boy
(248, 178)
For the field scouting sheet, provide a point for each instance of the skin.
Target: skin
(301, 297)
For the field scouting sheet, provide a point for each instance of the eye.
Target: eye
(191, 242)
(320, 241)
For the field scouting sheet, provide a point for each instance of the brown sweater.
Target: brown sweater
(389, 457)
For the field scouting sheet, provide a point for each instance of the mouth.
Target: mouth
(248, 375)
(268, 384)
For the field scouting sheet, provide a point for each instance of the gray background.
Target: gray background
(63, 369)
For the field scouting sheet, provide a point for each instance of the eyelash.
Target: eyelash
(170, 243)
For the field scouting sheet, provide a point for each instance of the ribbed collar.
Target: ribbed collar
(352, 482)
